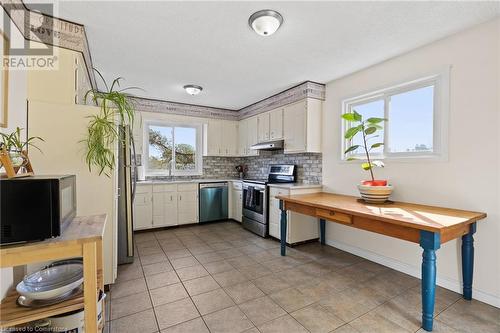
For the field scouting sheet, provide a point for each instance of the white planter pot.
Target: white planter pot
(375, 194)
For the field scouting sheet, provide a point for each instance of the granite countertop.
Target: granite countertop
(298, 185)
(200, 180)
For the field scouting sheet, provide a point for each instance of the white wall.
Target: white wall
(469, 179)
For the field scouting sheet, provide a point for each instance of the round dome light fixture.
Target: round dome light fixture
(192, 89)
(265, 22)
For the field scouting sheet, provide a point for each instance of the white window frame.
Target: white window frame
(441, 82)
(173, 171)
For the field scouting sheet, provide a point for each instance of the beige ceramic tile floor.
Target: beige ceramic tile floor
(220, 278)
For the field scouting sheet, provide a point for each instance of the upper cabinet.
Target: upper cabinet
(252, 136)
(298, 124)
(221, 138)
(263, 127)
(270, 125)
(214, 137)
(243, 137)
(230, 138)
(302, 126)
(276, 124)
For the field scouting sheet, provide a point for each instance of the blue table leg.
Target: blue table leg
(468, 261)
(283, 228)
(430, 242)
(322, 230)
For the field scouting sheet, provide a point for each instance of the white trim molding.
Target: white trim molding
(173, 171)
(440, 81)
(415, 271)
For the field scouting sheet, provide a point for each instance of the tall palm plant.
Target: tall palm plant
(102, 131)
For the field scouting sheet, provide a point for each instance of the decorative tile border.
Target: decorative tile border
(159, 106)
(307, 89)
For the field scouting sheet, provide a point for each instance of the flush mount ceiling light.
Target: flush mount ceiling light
(265, 22)
(192, 89)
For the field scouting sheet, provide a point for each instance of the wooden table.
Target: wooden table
(425, 225)
(82, 238)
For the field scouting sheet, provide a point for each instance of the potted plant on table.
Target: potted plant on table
(14, 152)
(373, 190)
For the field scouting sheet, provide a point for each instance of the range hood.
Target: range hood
(269, 145)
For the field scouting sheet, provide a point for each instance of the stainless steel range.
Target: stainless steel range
(255, 197)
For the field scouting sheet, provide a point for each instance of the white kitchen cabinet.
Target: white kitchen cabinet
(300, 227)
(302, 126)
(263, 127)
(164, 205)
(214, 137)
(187, 203)
(236, 201)
(221, 138)
(243, 137)
(276, 124)
(229, 138)
(143, 207)
(252, 136)
(270, 125)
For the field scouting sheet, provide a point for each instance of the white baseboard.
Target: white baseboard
(414, 270)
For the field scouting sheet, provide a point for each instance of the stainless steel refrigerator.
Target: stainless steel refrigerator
(127, 183)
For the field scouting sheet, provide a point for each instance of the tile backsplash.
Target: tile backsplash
(308, 166)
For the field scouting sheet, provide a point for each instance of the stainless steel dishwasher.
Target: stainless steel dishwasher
(213, 201)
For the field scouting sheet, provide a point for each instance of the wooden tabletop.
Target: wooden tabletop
(421, 217)
(80, 230)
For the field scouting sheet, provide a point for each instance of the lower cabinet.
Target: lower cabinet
(164, 205)
(143, 207)
(187, 203)
(236, 194)
(300, 227)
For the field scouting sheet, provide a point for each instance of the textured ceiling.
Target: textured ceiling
(160, 46)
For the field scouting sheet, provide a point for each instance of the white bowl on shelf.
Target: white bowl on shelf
(52, 277)
(47, 294)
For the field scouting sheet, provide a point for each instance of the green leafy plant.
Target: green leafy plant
(368, 130)
(102, 130)
(14, 143)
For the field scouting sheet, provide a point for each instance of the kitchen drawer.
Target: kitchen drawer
(237, 185)
(164, 188)
(187, 187)
(274, 191)
(144, 188)
(334, 216)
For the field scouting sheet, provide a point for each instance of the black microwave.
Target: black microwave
(36, 208)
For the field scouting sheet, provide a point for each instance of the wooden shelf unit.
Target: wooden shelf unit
(82, 238)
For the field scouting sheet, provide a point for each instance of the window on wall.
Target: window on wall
(416, 118)
(173, 149)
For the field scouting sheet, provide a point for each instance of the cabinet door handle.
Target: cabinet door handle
(180, 197)
(171, 198)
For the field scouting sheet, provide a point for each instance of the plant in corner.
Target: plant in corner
(102, 130)
(374, 190)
